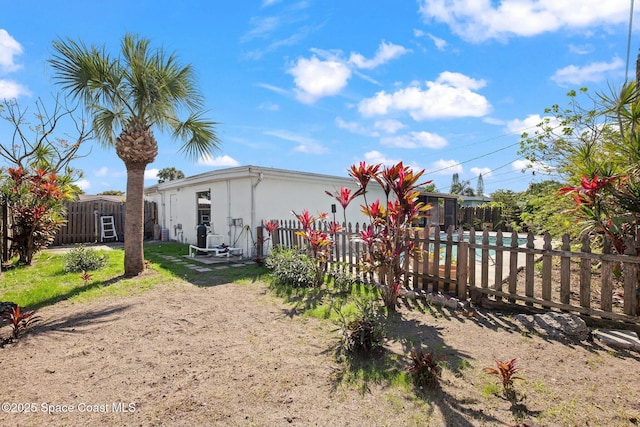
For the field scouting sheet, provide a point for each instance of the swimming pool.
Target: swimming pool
(506, 243)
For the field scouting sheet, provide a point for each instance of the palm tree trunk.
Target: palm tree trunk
(134, 220)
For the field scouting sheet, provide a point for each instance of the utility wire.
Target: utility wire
(472, 159)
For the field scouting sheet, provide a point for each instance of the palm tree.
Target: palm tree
(128, 96)
(460, 187)
(169, 174)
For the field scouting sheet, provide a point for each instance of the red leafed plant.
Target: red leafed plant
(35, 201)
(319, 243)
(506, 371)
(85, 277)
(386, 239)
(20, 320)
(425, 368)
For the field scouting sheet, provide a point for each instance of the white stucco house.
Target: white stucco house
(233, 202)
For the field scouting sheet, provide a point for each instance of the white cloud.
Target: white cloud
(594, 72)
(480, 20)
(269, 106)
(389, 125)
(208, 160)
(376, 157)
(441, 44)
(151, 174)
(305, 144)
(581, 50)
(311, 148)
(529, 124)
(415, 140)
(385, 53)
(355, 127)
(486, 172)
(9, 48)
(273, 88)
(83, 184)
(103, 171)
(446, 167)
(526, 165)
(315, 78)
(326, 73)
(10, 89)
(451, 95)
(460, 81)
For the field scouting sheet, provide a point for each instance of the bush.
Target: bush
(343, 280)
(425, 369)
(363, 334)
(291, 268)
(81, 259)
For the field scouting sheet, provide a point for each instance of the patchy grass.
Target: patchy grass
(44, 282)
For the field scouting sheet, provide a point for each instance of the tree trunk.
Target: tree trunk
(134, 220)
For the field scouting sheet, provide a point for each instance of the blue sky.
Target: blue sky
(316, 86)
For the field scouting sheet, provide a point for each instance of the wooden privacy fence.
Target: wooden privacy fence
(83, 221)
(477, 216)
(509, 268)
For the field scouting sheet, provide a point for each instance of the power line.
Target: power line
(472, 159)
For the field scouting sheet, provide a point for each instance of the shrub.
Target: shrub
(425, 369)
(291, 268)
(20, 320)
(363, 334)
(81, 258)
(343, 281)
(507, 372)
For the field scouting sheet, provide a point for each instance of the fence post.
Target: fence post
(463, 266)
(606, 281)
(529, 269)
(546, 268)
(259, 241)
(565, 271)
(498, 263)
(585, 274)
(630, 280)
(513, 266)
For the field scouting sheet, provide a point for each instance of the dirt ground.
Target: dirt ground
(234, 354)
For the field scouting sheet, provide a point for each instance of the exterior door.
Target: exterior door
(173, 214)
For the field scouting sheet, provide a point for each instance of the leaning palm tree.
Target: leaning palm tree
(128, 96)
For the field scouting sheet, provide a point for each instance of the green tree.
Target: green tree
(462, 188)
(35, 203)
(128, 96)
(543, 211)
(509, 202)
(480, 186)
(430, 188)
(35, 140)
(37, 175)
(111, 193)
(588, 146)
(574, 141)
(169, 174)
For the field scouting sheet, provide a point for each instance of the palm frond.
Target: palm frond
(199, 136)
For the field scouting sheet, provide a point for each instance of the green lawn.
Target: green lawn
(45, 282)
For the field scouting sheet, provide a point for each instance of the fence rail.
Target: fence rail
(509, 268)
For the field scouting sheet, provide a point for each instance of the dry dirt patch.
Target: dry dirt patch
(235, 355)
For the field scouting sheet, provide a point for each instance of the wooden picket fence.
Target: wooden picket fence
(505, 267)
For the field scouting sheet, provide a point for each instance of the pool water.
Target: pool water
(506, 243)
